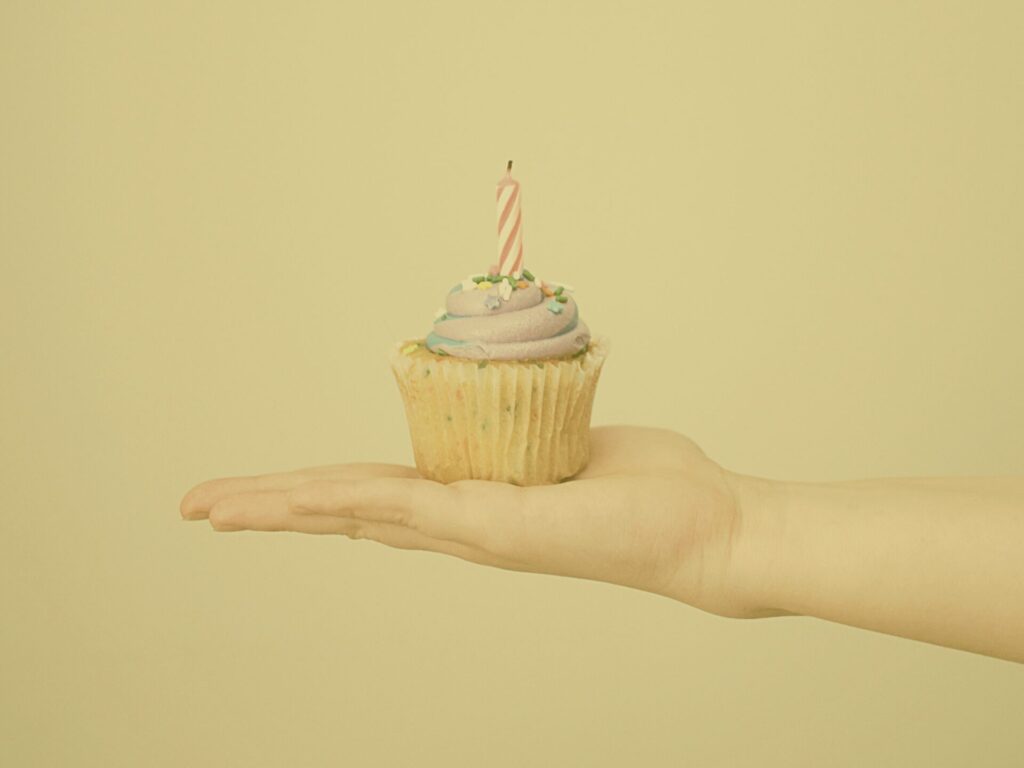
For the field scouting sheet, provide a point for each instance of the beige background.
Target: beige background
(799, 224)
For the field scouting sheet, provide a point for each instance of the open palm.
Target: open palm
(650, 511)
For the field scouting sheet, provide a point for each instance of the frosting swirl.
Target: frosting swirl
(502, 324)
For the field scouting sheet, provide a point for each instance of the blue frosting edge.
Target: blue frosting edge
(434, 339)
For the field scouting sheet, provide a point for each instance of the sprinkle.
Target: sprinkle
(567, 287)
(408, 349)
(559, 289)
(528, 275)
(511, 279)
(522, 284)
(479, 278)
(492, 302)
(554, 307)
(548, 291)
(561, 299)
(439, 315)
(442, 353)
(482, 364)
(483, 285)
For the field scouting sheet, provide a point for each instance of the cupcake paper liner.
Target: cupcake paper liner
(522, 422)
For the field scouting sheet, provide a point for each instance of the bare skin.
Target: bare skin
(935, 560)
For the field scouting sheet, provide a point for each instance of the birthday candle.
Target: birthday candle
(510, 226)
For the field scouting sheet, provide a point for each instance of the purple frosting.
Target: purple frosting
(481, 325)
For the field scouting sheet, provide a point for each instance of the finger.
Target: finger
(197, 502)
(268, 511)
(400, 537)
(475, 512)
(262, 511)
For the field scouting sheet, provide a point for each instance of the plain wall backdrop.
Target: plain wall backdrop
(800, 225)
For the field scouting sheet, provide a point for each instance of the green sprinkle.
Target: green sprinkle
(559, 289)
(528, 275)
(442, 353)
(409, 348)
(479, 279)
(482, 364)
(561, 299)
(511, 280)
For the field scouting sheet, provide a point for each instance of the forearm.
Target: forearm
(938, 560)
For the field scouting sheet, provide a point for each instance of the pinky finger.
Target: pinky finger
(268, 511)
(400, 537)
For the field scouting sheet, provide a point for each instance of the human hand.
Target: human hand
(649, 511)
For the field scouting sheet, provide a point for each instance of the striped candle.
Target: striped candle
(510, 226)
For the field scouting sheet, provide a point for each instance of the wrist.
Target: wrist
(759, 556)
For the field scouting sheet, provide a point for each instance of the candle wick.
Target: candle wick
(509, 169)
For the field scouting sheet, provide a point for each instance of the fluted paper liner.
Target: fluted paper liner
(522, 422)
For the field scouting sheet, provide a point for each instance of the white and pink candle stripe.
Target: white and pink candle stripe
(510, 226)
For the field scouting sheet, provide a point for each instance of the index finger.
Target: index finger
(197, 503)
(479, 513)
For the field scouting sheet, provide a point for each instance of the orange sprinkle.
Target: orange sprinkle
(548, 291)
(522, 284)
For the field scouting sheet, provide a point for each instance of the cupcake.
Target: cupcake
(503, 385)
